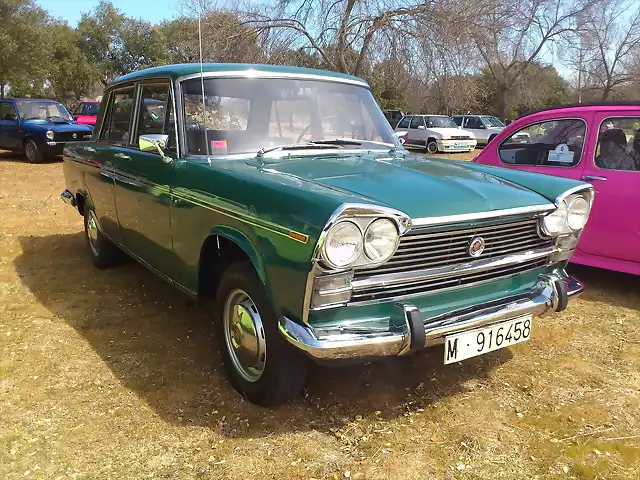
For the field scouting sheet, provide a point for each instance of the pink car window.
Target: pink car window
(554, 143)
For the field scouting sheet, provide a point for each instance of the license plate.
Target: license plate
(484, 340)
(459, 144)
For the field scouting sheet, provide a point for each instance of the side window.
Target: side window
(7, 112)
(457, 120)
(618, 145)
(474, 122)
(556, 143)
(155, 115)
(416, 122)
(118, 120)
(404, 123)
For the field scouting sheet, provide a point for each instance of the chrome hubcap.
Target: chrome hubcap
(92, 231)
(244, 335)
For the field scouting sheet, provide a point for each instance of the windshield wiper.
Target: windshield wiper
(335, 141)
(294, 146)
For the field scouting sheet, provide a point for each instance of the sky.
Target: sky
(151, 10)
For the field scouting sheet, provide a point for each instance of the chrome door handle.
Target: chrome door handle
(122, 155)
(593, 177)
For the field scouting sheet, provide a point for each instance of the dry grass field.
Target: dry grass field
(113, 375)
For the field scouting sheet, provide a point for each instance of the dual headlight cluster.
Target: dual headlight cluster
(570, 216)
(347, 243)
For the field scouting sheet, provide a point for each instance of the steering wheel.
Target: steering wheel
(304, 132)
(331, 118)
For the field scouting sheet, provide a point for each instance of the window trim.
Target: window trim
(109, 113)
(595, 147)
(139, 86)
(584, 143)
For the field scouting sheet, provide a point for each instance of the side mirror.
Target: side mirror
(155, 142)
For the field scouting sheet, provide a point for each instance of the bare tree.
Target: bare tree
(606, 47)
(517, 33)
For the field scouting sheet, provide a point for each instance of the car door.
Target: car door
(613, 230)
(10, 135)
(555, 147)
(416, 131)
(143, 179)
(474, 125)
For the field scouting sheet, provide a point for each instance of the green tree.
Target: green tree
(70, 74)
(117, 44)
(23, 48)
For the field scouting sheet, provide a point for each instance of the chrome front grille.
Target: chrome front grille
(461, 137)
(421, 252)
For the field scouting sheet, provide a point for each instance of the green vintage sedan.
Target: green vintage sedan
(282, 195)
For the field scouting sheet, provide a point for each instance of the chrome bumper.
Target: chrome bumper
(68, 197)
(550, 294)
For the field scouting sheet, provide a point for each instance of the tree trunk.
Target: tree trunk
(1, 90)
(605, 94)
(501, 102)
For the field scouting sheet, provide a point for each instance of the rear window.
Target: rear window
(618, 145)
(555, 143)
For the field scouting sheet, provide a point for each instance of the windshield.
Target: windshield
(440, 122)
(249, 114)
(34, 110)
(88, 109)
(492, 122)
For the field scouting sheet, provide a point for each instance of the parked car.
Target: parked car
(39, 128)
(283, 195)
(435, 133)
(393, 116)
(484, 127)
(87, 112)
(599, 144)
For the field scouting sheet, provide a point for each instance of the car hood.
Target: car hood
(449, 132)
(418, 186)
(58, 126)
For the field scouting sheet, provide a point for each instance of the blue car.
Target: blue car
(39, 128)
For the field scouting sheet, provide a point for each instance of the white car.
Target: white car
(435, 133)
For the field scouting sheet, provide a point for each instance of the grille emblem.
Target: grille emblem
(75, 135)
(476, 247)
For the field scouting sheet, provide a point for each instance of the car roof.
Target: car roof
(242, 69)
(585, 107)
(30, 100)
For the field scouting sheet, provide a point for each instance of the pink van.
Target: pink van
(599, 144)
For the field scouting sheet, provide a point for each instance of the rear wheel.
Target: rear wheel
(490, 138)
(260, 364)
(432, 146)
(32, 152)
(104, 254)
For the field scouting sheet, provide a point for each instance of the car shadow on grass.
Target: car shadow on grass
(614, 288)
(158, 344)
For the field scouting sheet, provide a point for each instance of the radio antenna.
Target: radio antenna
(204, 105)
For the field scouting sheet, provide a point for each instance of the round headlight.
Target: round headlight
(555, 223)
(381, 240)
(49, 134)
(578, 213)
(343, 245)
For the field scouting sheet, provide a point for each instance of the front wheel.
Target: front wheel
(32, 152)
(432, 146)
(259, 362)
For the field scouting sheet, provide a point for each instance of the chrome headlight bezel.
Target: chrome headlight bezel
(564, 204)
(50, 134)
(363, 216)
